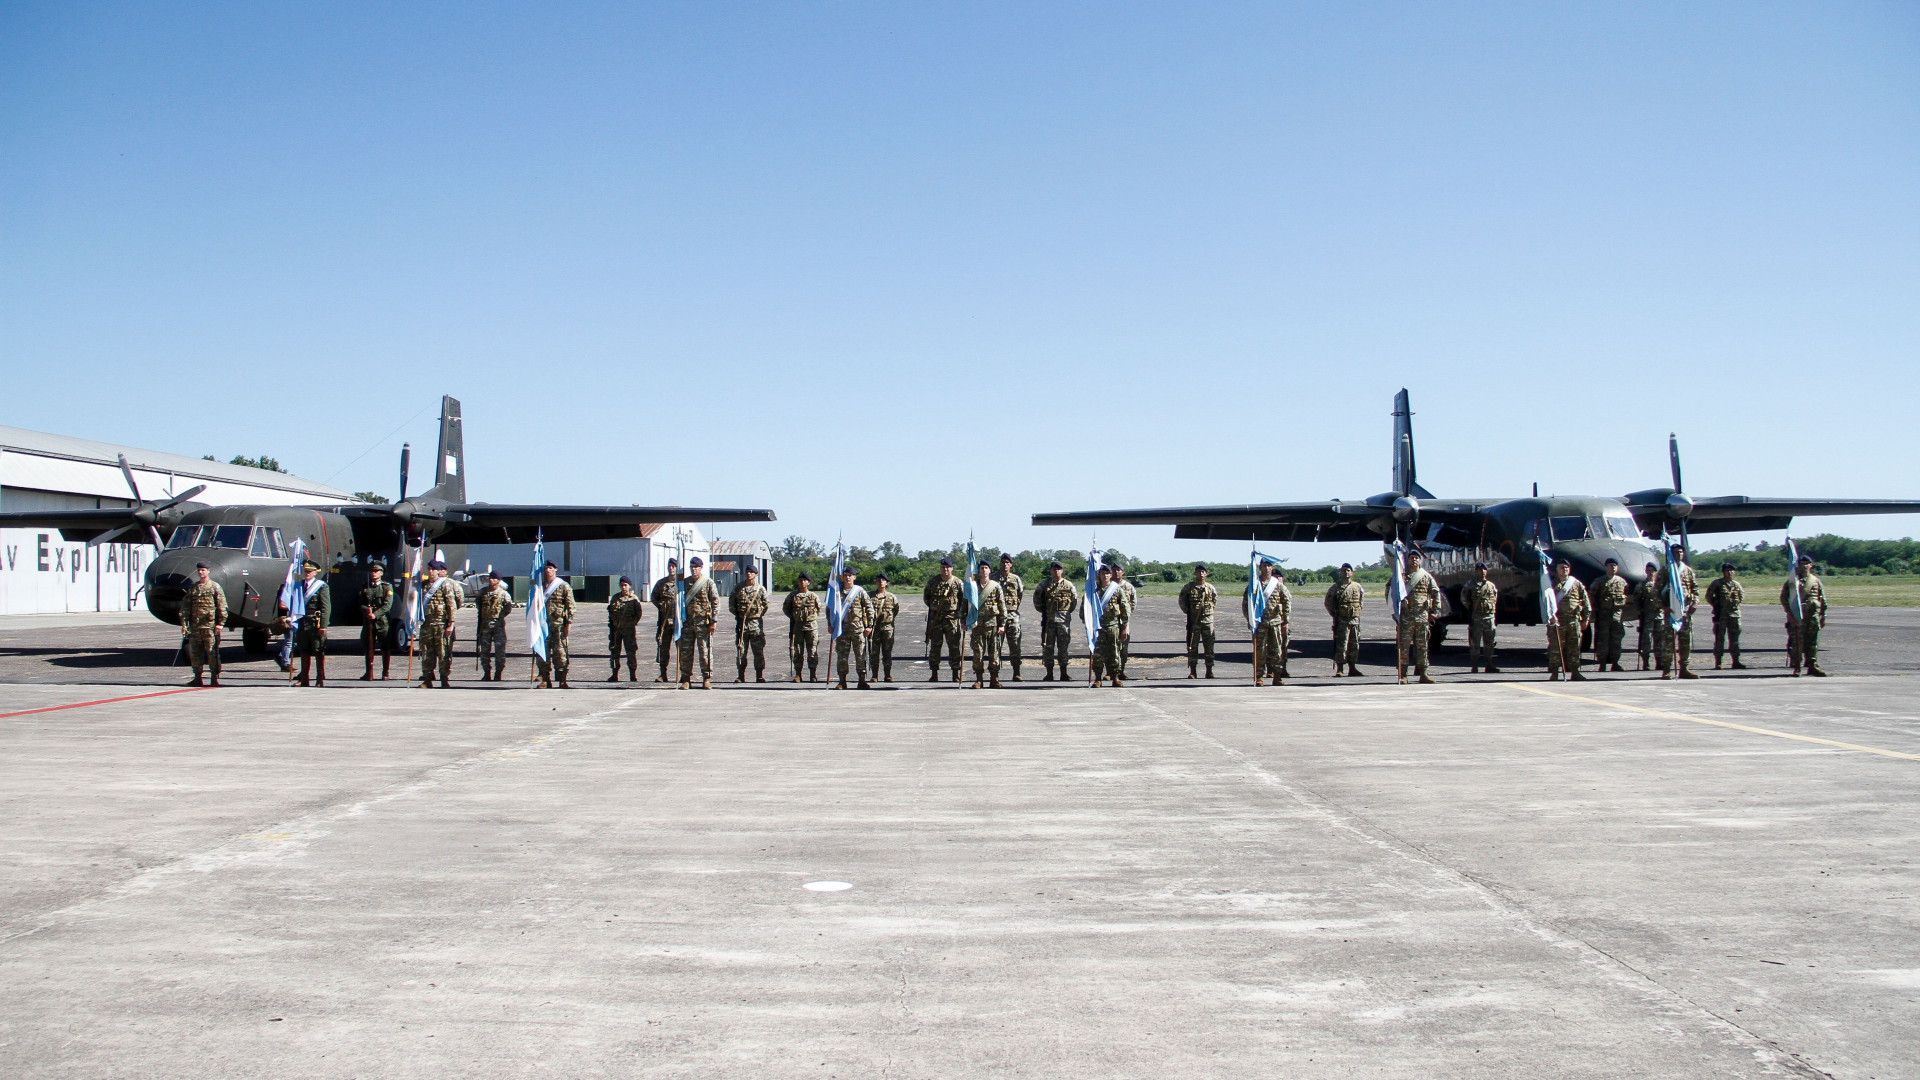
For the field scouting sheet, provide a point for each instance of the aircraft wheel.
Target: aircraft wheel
(255, 642)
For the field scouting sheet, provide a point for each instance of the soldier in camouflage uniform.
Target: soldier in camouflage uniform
(1563, 634)
(436, 625)
(1114, 621)
(376, 603)
(886, 610)
(1198, 598)
(856, 630)
(1343, 603)
(490, 632)
(623, 631)
(310, 634)
(703, 614)
(802, 609)
(1803, 632)
(559, 594)
(1012, 591)
(986, 634)
(1131, 597)
(1610, 599)
(1270, 636)
(1417, 611)
(1724, 595)
(749, 606)
(1647, 602)
(1056, 599)
(946, 614)
(202, 615)
(1677, 646)
(1481, 598)
(666, 607)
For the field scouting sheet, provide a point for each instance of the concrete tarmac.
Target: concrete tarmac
(1487, 878)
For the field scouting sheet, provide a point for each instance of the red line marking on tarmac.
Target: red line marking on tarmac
(102, 701)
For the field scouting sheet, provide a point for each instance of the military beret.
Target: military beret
(436, 565)
(1562, 561)
(1613, 562)
(1006, 557)
(551, 565)
(201, 566)
(626, 581)
(1483, 566)
(946, 562)
(695, 561)
(1728, 566)
(845, 570)
(1414, 554)
(1105, 568)
(494, 575)
(1346, 566)
(670, 562)
(804, 576)
(1266, 562)
(1201, 568)
(880, 577)
(1653, 566)
(1806, 560)
(1055, 565)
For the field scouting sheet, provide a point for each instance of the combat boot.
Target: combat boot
(1475, 670)
(368, 677)
(1209, 671)
(1688, 673)
(1817, 671)
(1577, 676)
(305, 664)
(977, 684)
(864, 685)
(759, 676)
(197, 680)
(563, 683)
(1737, 665)
(1617, 667)
(706, 683)
(320, 670)
(1118, 682)
(1193, 671)
(1553, 676)
(1257, 682)
(213, 679)
(1353, 670)
(841, 685)
(662, 676)
(1428, 679)
(995, 684)
(1491, 670)
(386, 668)
(615, 677)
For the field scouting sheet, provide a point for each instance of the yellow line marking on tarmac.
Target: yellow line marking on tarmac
(1715, 723)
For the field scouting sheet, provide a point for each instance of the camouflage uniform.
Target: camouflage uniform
(696, 637)
(985, 635)
(666, 607)
(559, 619)
(1610, 599)
(1678, 644)
(436, 632)
(945, 619)
(1131, 596)
(1270, 637)
(1115, 617)
(1056, 601)
(1803, 634)
(376, 602)
(1197, 601)
(1482, 601)
(749, 606)
(623, 634)
(1012, 591)
(202, 614)
(856, 618)
(1343, 603)
(1724, 596)
(495, 602)
(1416, 611)
(802, 608)
(886, 609)
(1647, 601)
(1563, 639)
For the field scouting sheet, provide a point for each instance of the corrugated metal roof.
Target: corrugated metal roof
(742, 547)
(42, 444)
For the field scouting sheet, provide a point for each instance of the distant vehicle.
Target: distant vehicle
(248, 548)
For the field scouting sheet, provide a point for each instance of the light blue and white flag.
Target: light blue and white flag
(1793, 579)
(1095, 603)
(1549, 600)
(1397, 586)
(537, 600)
(292, 596)
(1676, 594)
(416, 609)
(836, 600)
(1256, 596)
(680, 590)
(971, 589)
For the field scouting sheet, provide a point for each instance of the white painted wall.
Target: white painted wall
(43, 574)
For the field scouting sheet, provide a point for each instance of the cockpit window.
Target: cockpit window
(1569, 528)
(1622, 526)
(183, 537)
(258, 547)
(273, 538)
(226, 536)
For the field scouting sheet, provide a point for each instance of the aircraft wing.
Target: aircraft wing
(75, 525)
(1741, 513)
(490, 523)
(1330, 521)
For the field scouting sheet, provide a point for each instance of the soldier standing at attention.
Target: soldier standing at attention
(856, 629)
(1563, 634)
(802, 609)
(202, 615)
(436, 625)
(886, 609)
(1481, 597)
(376, 602)
(310, 633)
(986, 633)
(1610, 598)
(1417, 612)
(496, 600)
(1131, 597)
(1113, 626)
(1056, 599)
(666, 607)
(1724, 595)
(1270, 636)
(1646, 601)
(703, 614)
(623, 631)
(1012, 591)
(946, 616)
(1198, 598)
(1343, 603)
(1803, 633)
(559, 594)
(749, 606)
(1678, 645)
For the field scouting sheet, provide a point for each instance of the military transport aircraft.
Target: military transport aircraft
(1507, 534)
(247, 548)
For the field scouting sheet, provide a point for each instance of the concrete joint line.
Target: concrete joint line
(1663, 714)
(289, 838)
(1765, 1051)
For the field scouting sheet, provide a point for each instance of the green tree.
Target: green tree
(370, 497)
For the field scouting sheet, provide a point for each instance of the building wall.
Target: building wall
(42, 574)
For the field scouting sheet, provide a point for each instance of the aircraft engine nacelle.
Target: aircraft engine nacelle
(1679, 506)
(1406, 508)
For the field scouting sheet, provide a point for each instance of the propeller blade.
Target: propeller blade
(127, 472)
(1673, 458)
(158, 544)
(108, 538)
(182, 497)
(406, 456)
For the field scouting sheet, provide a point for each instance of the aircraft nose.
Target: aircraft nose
(174, 571)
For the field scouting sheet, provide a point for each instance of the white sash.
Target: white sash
(548, 589)
(1107, 596)
(313, 587)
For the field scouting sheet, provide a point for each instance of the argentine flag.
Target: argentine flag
(537, 600)
(1793, 579)
(836, 600)
(970, 588)
(680, 591)
(1676, 595)
(1397, 588)
(1092, 615)
(1549, 603)
(1256, 597)
(292, 595)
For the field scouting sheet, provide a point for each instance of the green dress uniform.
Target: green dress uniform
(310, 633)
(1270, 636)
(850, 648)
(1724, 596)
(1482, 601)
(1610, 600)
(436, 632)
(1803, 633)
(985, 635)
(495, 603)
(696, 638)
(886, 612)
(749, 606)
(623, 635)
(1012, 591)
(946, 617)
(1563, 635)
(553, 669)
(802, 609)
(1114, 621)
(1417, 609)
(1343, 603)
(667, 611)
(376, 604)
(1056, 601)
(202, 614)
(1197, 601)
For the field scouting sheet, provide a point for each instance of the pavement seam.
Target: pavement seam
(1765, 1050)
(292, 836)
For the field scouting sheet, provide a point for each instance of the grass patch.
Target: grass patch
(1843, 590)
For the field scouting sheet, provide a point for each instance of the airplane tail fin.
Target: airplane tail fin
(1404, 481)
(449, 469)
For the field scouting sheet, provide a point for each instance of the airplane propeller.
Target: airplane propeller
(1679, 506)
(144, 514)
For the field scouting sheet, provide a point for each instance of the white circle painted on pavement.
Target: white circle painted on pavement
(827, 886)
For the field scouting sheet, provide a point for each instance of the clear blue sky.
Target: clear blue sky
(904, 271)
